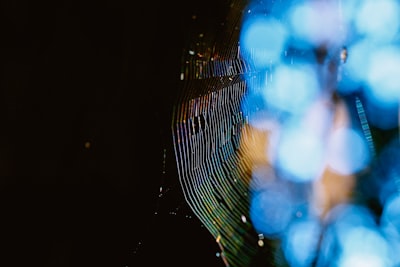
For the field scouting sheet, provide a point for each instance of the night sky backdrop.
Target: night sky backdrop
(87, 89)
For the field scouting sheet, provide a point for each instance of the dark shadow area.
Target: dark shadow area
(85, 112)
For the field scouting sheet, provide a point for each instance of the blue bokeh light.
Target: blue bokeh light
(300, 242)
(348, 151)
(359, 56)
(316, 23)
(353, 238)
(300, 154)
(390, 219)
(390, 224)
(271, 211)
(383, 76)
(363, 246)
(379, 20)
(292, 95)
(262, 40)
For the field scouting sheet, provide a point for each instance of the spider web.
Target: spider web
(209, 145)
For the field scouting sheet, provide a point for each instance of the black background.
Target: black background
(104, 73)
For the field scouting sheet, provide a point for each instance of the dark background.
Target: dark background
(87, 90)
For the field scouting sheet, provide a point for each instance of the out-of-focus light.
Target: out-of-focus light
(344, 217)
(390, 219)
(390, 225)
(292, 94)
(353, 238)
(347, 151)
(300, 154)
(317, 23)
(358, 59)
(271, 212)
(378, 20)
(364, 247)
(352, 75)
(300, 243)
(383, 76)
(262, 40)
(87, 144)
(351, 214)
